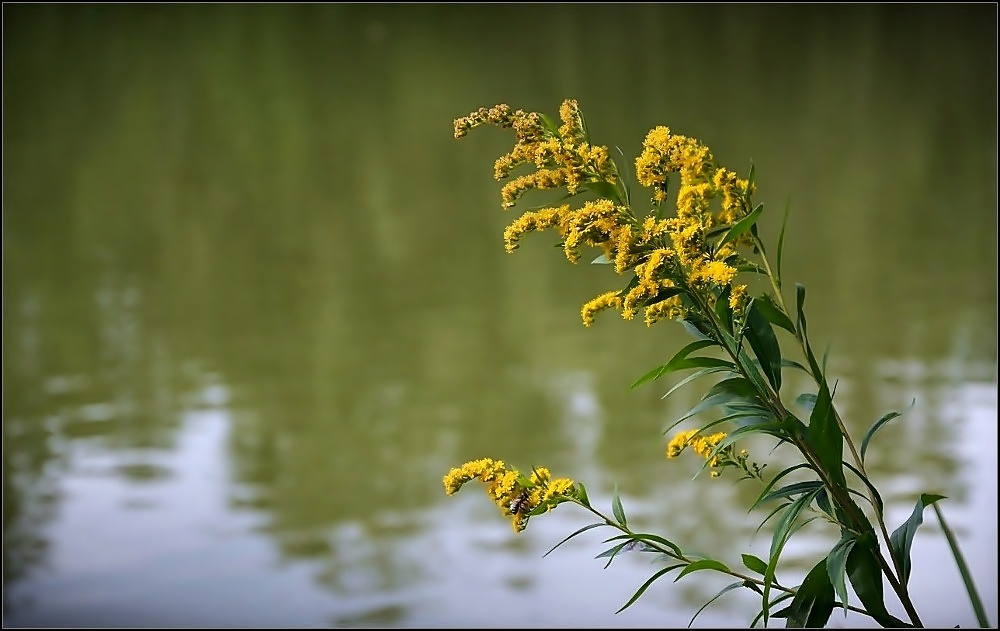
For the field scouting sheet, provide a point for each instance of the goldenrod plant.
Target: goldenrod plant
(686, 265)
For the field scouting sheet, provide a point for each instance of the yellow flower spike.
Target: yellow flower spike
(679, 442)
(572, 122)
(533, 221)
(738, 298)
(607, 300)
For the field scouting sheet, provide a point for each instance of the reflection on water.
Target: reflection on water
(256, 304)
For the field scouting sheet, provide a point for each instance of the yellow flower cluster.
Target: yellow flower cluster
(516, 495)
(669, 256)
(562, 156)
(704, 446)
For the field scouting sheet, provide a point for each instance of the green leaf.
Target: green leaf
(581, 494)
(727, 588)
(752, 268)
(675, 362)
(877, 425)
(646, 585)
(741, 226)
(782, 532)
(765, 345)
(602, 260)
(902, 538)
(879, 506)
(774, 480)
(611, 553)
(663, 294)
(617, 509)
(806, 400)
(777, 510)
(789, 363)
(781, 244)
(703, 564)
(737, 387)
(632, 284)
(624, 180)
(580, 531)
(754, 564)
(794, 489)
(688, 325)
(824, 436)
(692, 377)
(970, 586)
(606, 190)
(684, 364)
(813, 602)
(836, 565)
(865, 573)
(823, 502)
(774, 602)
(800, 301)
(642, 536)
(773, 313)
(550, 124)
(706, 403)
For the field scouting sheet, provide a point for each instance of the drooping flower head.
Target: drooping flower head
(517, 496)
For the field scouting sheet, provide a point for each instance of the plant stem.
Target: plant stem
(897, 586)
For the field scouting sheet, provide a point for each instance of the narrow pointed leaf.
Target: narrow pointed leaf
(581, 494)
(646, 585)
(742, 226)
(773, 313)
(781, 244)
(754, 564)
(800, 301)
(877, 425)
(795, 489)
(726, 589)
(765, 345)
(676, 362)
(806, 400)
(601, 260)
(703, 564)
(579, 531)
(836, 565)
(970, 586)
(879, 506)
(774, 602)
(688, 325)
(813, 602)
(692, 377)
(790, 363)
(902, 538)
(617, 509)
(824, 436)
(774, 480)
(782, 533)
(612, 552)
(865, 573)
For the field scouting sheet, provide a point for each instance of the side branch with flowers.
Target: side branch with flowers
(686, 267)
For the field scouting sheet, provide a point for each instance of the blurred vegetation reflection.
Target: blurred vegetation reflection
(271, 196)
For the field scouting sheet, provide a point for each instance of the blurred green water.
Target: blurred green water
(268, 200)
